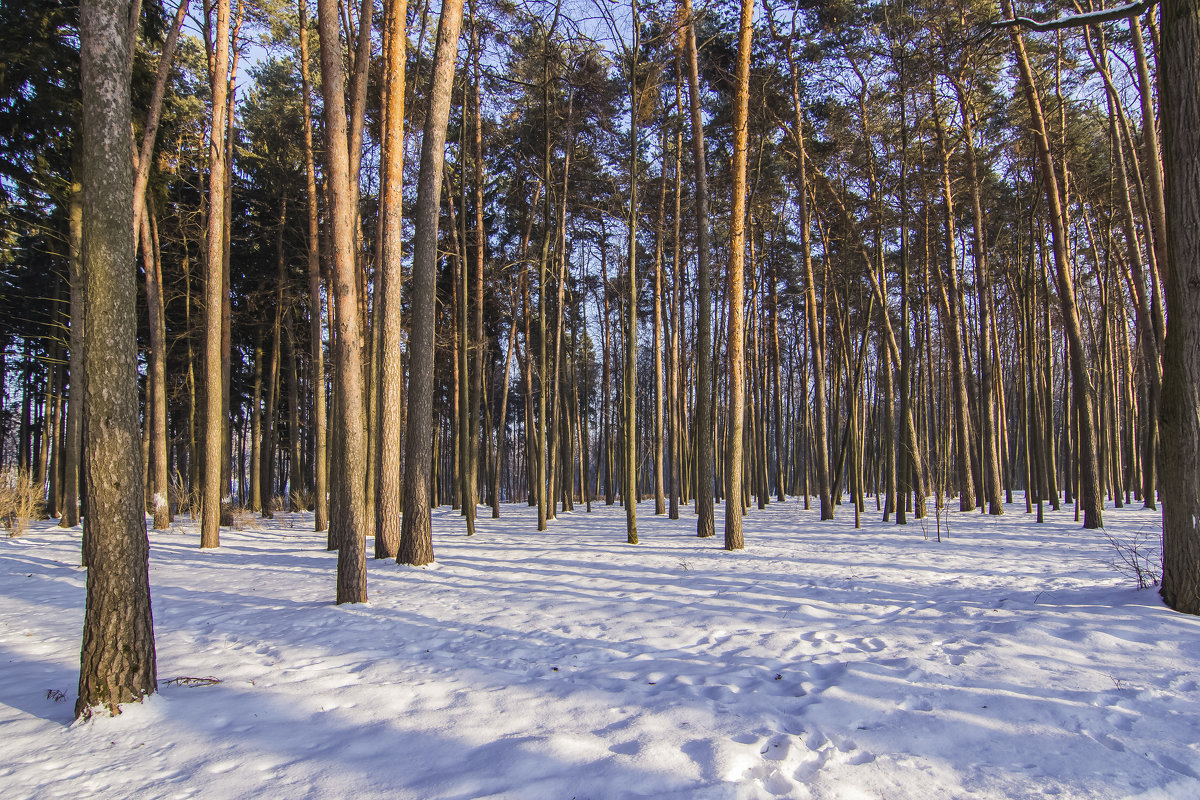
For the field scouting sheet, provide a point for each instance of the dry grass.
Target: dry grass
(20, 501)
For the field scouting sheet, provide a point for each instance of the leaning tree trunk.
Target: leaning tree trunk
(1179, 92)
(951, 304)
(1089, 473)
(416, 538)
(117, 657)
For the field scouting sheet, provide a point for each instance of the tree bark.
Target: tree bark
(350, 525)
(735, 346)
(477, 358)
(391, 372)
(117, 662)
(1179, 92)
(210, 514)
(704, 418)
(74, 435)
(416, 539)
(159, 480)
(315, 312)
(952, 303)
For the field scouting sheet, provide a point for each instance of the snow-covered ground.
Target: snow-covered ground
(1007, 661)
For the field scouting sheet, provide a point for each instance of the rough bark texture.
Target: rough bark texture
(416, 539)
(391, 372)
(117, 657)
(1179, 92)
(350, 523)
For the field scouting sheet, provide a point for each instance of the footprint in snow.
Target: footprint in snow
(913, 703)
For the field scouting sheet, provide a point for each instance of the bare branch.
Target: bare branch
(1135, 9)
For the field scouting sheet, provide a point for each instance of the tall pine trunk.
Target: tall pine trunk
(704, 418)
(735, 288)
(349, 524)
(416, 538)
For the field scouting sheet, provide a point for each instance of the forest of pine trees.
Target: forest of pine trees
(880, 257)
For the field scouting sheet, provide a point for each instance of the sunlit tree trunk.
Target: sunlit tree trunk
(391, 372)
(735, 288)
(349, 525)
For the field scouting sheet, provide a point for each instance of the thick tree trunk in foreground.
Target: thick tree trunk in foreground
(1179, 92)
(350, 524)
(117, 658)
(416, 538)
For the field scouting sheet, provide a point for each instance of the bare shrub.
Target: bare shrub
(1137, 556)
(241, 517)
(186, 502)
(20, 501)
(301, 501)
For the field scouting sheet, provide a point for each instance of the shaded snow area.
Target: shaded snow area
(1008, 661)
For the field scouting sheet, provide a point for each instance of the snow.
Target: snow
(1008, 661)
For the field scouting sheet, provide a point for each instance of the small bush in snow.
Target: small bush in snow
(1137, 556)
